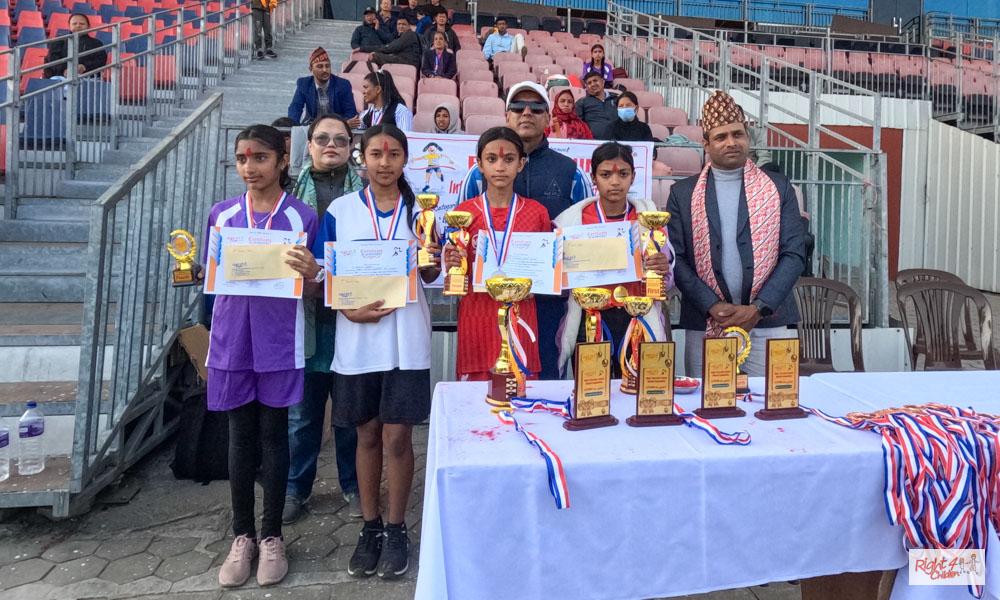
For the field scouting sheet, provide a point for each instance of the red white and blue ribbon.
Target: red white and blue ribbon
(515, 322)
(602, 218)
(369, 199)
(941, 473)
(631, 340)
(251, 222)
(739, 438)
(500, 249)
(558, 486)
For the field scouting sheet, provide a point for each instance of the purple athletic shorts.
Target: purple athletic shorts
(231, 389)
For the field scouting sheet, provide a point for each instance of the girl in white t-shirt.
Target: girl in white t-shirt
(381, 355)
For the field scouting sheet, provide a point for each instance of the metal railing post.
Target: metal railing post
(765, 84)
(71, 88)
(180, 50)
(116, 83)
(203, 49)
(13, 83)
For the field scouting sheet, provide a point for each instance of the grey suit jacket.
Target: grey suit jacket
(776, 292)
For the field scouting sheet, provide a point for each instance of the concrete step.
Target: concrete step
(42, 258)
(47, 288)
(27, 230)
(79, 188)
(27, 326)
(106, 172)
(54, 210)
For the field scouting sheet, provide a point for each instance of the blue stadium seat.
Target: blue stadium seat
(44, 115)
(168, 18)
(104, 36)
(5, 36)
(29, 35)
(53, 6)
(108, 11)
(24, 5)
(82, 8)
(137, 45)
(134, 11)
(93, 98)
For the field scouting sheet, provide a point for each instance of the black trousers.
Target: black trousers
(258, 440)
(262, 38)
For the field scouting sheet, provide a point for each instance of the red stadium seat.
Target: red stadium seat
(423, 122)
(477, 124)
(649, 99)
(164, 71)
(399, 70)
(480, 105)
(437, 85)
(691, 132)
(664, 115)
(506, 57)
(632, 85)
(475, 75)
(660, 132)
(427, 102)
(683, 161)
(478, 88)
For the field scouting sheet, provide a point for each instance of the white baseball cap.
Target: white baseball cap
(529, 86)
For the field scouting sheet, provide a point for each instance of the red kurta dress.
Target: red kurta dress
(478, 333)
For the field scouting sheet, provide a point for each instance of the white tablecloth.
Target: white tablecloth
(654, 511)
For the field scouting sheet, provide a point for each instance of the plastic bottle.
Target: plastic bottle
(30, 444)
(4, 454)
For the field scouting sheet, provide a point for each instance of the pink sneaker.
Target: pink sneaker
(273, 566)
(236, 570)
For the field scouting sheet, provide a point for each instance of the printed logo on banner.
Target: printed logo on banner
(947, 567)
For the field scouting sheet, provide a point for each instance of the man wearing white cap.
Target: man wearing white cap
(549, 177)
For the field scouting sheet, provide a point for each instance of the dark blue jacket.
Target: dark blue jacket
(776, 292)
(448, 67)
(338, 90)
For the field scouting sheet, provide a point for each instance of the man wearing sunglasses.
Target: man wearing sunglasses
(548, 177)
(321, 93)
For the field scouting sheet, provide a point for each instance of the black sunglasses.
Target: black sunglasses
(323, 140)
(536, 108)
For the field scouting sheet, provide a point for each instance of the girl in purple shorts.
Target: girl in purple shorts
(255, 359)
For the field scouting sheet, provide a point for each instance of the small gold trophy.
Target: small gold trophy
(456, 283)
(182, 248)
(742, 353)
(426, 229)
(653, 240)
(590, 404)
(637, 307)
(506, 378)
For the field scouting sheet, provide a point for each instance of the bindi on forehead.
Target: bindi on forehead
(385, 146)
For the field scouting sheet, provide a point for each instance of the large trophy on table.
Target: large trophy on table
(590, 402)
(456, 282)
(506, 376)
(426, 229)
(183, 249)
(653, 240)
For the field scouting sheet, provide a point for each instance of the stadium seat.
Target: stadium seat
(470, 88)
(427, 102)
(661, 192)
(164, 71)
(660, 132)
(481, 105)
(359, 101)
(437, 85)
(477, 124)
(506, 57)
(664, 115)
(399, 70)
(475, 75)
(571, 64)
(93, 98)
(29, 18)
(691, 132)
(594, 27)
(423, 122)
(649, 99)
(44, 115)
(132, 79)
(30, 35)
(532, 24)
(577, 26)
(58, 21)
(632, 85)
(683, 161)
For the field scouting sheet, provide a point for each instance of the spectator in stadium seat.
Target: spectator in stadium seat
(549, 177)
(565, 122)
(369, 37)
(441, 25)
(498, 41)
(446, 119)
(386, 20)
(438, 62)
(405, 49)
(627, 127)
(59, 50)
(384, 104)
(600, 65)
(321, 93)
(263, 36)
(597, 108)
(435, 7)
(409, 12)
(732, 273)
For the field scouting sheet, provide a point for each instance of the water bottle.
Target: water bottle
(31, 452)
(4, 454)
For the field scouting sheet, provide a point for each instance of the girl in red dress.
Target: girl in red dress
(498, 212)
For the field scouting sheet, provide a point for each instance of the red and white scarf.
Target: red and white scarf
(764, 208)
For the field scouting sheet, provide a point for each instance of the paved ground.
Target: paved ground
(155, 537)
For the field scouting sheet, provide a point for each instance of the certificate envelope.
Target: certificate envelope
(355, 291)
(372, 261)
(595, 254)
(621, 237)
(244, 262)
(535, 255)
(222, 240)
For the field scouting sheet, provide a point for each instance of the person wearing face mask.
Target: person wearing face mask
(320, 93)
(734, 271)
(326, 176)
(627, 127)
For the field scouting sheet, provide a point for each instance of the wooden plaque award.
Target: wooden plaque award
(590, 406)
(718, 391)
(781, 390)
(654, 402)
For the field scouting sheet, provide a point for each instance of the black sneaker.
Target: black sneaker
(396, 553)
(260, 55)
(270, 54)
(364, 561)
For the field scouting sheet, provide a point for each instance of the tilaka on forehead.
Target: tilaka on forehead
(385, 146)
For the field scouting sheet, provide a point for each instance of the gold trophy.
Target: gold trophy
(182, 248)
(456, 282)
(742, 353)
(653, 240)
(506, 378)
(636, 306)
(426, 229)
(590, 404)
